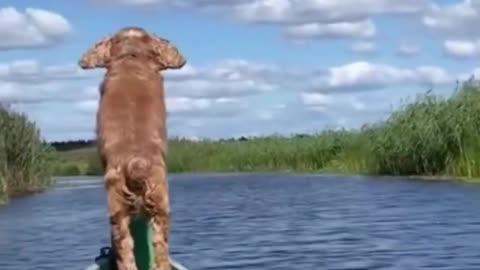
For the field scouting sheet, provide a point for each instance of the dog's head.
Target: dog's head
(134, 42)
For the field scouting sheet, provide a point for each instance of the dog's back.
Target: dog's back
(131, 118)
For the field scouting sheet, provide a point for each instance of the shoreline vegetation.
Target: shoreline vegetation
(25, 159)
(430, 137)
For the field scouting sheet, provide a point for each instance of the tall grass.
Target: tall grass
(430, 135)
(25, 160)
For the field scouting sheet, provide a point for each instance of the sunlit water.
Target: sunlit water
(268, 222)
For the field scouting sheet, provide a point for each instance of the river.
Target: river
(262, 221)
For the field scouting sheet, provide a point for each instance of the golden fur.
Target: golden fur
(132, 136)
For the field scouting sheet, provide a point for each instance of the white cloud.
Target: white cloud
(175, 105)
(321, 102)
(205, 4)
(205, 108)
(223, 82)
(324, 11)
(344, 110)
(351, 30)
(327, 18)
(23, 80)
(364, 47)
(136, 2)
(316, 101)
(364, 76)
(357, 104)
(267, 114)
(28, 70)
(225, 95)
(200, 87)
(184, 104)
(432, 75)
(302, 19)
(467, 75)
(294, 11)
(12, 92)
(230, 93)
(32, 28)
(31, 82)
(187, 71)
(457, 19)
(89, 105)
(408, 50)
(462, 48)
(228, 78)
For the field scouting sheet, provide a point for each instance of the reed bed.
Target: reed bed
(25, 159)
(431, 135)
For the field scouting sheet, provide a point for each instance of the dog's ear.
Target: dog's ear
(166, 54)
(97, 56)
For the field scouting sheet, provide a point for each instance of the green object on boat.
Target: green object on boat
(143, 249)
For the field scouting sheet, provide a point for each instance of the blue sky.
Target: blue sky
(255, 67)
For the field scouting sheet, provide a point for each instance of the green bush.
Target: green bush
(68, 169)
(94, 166)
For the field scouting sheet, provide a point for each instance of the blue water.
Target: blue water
(262, 221)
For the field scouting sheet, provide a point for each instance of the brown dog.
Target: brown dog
(132, 136)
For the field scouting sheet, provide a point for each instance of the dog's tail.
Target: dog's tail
(138, 169)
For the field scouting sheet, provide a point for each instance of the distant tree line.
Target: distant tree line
(72, 144)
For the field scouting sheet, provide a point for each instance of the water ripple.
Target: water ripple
(263, 221)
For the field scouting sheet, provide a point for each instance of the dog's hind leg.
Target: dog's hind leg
(118, 198)
(157, 206)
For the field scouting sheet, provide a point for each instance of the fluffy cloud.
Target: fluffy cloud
(24, 80)
(28, 81)
(31, 28)
(301, 19)
(364, 48)
(364, 76)
(354, 30)
(227, 78)
(455, 19)
(89, 105)
(316, 101)
(32, 71)
(205, 4)
(347, 19)
(134, 2)
(408, 50)
(181, 106)
(452, 18)
(227, 94)
(212, 91)
(268, 114)
(325, 11)
(296, 11)
(334, 104)
(461, 48)
(184, 104)
(223, 83)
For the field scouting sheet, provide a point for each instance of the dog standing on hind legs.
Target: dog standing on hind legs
(132, 136)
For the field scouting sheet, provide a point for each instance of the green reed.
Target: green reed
(25, 159)
(430, 135)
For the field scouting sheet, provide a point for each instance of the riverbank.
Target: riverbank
(25, 159)
(431, 136)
